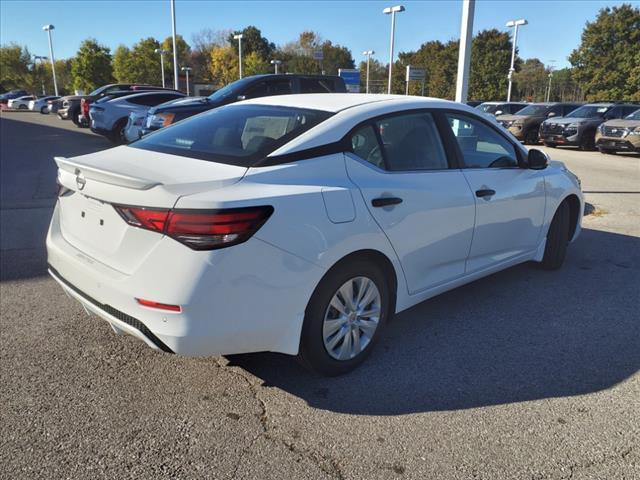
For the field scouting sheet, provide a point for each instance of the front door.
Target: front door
(510, 200)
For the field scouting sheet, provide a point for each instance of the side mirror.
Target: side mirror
(498, 112)
(537, 159)
(551, 114)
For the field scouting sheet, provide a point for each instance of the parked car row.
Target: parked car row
(608, 126)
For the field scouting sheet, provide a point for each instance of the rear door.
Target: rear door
(418, 198)
(510, 200)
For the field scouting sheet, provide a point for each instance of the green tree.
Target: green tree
(203, 42)
(143, 64)
(564, 88)
(532, 80)
(15, 67)
(252, 41)
(607, 62)
(91, 66)
(254, 64)
(377, 76)
(490, 62)
(121, 59)
(184, 55)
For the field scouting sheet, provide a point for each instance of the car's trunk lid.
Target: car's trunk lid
(133, 177)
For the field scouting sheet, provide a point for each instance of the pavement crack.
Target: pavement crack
(324, 462)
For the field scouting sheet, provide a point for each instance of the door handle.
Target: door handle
(385, 201)
(485, 193)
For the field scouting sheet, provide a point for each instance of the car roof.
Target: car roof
(350, 109)
(336, 102)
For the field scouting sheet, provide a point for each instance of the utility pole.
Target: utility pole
(515, 24)
(175, 49)
(464, 55)
(239, 38)
(368, 54)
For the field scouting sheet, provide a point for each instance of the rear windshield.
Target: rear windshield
(236, 134)
(589, 111)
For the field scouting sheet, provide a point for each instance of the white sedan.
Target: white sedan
(20, 103)
(41, 104)
(300, 224)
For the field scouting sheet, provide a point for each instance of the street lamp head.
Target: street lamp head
(396, 9)
(161, 51)
(186, 69)
(368, 52)
(513, 23)
(276, 62)
(46, 28)
(237, 36)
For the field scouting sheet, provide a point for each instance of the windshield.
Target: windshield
(634, 116)
(487, 107)
(534, 110)
(589, 111)
(228, 90)
(236, 134)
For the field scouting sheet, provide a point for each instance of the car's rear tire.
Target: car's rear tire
(531, 137)
(587, 143)
(22, 107)
(117, 133)
(555, 249)
(44, 110)
(336, 336)
(550, 145)
(73, 115)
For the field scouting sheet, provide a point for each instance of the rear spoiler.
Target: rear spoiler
(103, 175)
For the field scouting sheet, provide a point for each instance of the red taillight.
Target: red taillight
(160, 306)
(149, 218)
(200, 229)
(84, 106)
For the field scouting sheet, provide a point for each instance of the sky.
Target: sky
(553, 31)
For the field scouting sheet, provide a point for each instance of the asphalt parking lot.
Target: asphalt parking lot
(524, 374)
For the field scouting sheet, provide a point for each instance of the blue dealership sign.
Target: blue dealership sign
(351, 79)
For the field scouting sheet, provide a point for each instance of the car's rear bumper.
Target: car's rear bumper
(246, 298)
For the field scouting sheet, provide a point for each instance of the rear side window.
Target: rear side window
(481, 145)
(316, 85)
(268, 88)
(236, 134)
(153, 100)
(410, 142)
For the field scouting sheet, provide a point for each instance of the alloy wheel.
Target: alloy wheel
(351, 319)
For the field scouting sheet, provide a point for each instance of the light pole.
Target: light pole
(187, 70)
(392, 11)
(368, 54)
(238, 37)
(515, 24)
(35, 59)
(550, 77)
(162, 54)
(175, 49)
(276, 63)
(48, 28)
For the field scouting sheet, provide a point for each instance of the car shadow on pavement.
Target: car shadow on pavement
(28, 189)
(518, 335)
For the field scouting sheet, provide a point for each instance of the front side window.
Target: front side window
(410, 142)
(481, 145)
(634, 116)
(236, 134)
(315, 85)
(589, 111)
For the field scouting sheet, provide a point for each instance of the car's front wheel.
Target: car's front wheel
(555, 249)
(345, 317)
(44, 110)
(531, 137)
